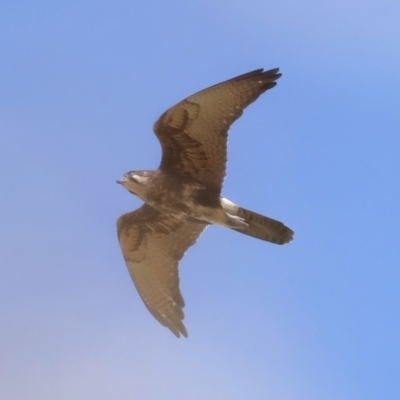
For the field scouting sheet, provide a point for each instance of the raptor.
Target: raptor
(183, 196)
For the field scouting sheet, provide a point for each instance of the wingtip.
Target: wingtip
(273, 73)
(268, 79)
(178, 331)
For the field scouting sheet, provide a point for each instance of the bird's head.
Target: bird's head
(136, 182)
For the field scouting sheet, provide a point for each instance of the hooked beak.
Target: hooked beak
(122, 180)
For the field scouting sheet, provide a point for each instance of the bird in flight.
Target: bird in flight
(183, 196)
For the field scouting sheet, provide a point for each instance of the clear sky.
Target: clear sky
(81, 84)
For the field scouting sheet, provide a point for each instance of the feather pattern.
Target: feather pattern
(152, 244)
(193, 133)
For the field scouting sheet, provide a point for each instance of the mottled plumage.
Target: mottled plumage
(183, 195)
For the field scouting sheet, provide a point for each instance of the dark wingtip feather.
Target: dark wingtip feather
(273, 71)
(270, 75)
(178, 329)
(267, 79)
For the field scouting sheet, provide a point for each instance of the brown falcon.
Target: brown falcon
(183, 195)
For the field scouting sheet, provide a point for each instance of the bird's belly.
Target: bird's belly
(170, 204)
(184, 208)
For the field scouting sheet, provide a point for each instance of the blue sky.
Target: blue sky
(82, 84)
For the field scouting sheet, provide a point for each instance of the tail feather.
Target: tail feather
(264, 228)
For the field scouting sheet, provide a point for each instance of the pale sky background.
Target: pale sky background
(81, 85)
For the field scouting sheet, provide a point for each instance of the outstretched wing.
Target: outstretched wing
(152, 245)
(194, 132)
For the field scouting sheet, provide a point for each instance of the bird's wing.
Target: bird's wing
(152, 245)
(193, 133)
